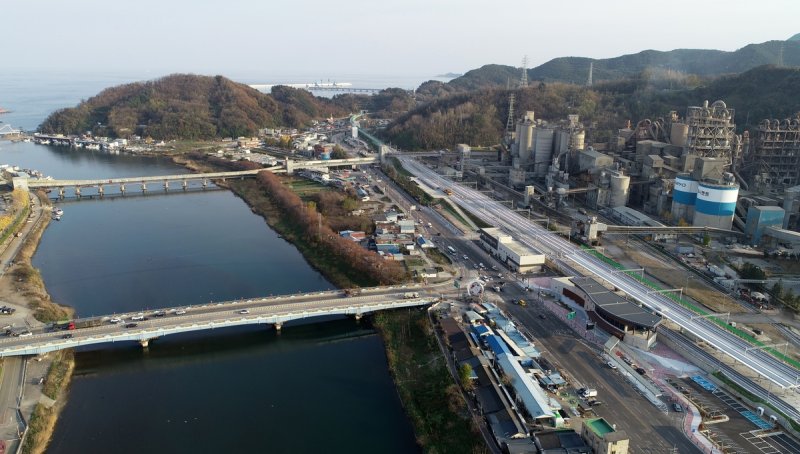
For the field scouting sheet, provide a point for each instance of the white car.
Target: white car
(116, 320)
(611, 365)
(180, 312)
(26, 334)
(244, 311)
(139, 316)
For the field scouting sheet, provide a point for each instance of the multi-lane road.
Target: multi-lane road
(563, 252)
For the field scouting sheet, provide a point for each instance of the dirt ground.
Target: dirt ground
(671, 274)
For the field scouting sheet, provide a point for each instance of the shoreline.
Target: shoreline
(23, 286)
(43, 418)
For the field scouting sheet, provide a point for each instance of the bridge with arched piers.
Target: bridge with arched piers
(143, 327)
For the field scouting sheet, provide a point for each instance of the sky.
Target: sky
(327, 38)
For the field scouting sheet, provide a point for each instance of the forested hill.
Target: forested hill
(698, 62)
(183, 106)
(478, 117)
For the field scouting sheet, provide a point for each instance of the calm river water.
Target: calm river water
(317, 387)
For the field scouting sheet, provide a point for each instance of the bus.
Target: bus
(451, 250)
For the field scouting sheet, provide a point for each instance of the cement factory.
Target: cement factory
(691, 170)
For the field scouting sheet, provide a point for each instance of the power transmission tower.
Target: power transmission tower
(523, 80)
(780, 56)
(589, 80)
(510, 121)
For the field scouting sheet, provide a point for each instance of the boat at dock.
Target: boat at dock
(58, 212)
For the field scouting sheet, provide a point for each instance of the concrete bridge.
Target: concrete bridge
(289, 167)
(273, 311)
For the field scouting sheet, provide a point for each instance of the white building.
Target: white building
(516, 256)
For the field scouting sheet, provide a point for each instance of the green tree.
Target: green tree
(338, 153)
(750, 271)
(465, 376)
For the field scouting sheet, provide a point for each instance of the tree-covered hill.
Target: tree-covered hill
(478, 117)
(698, 62)
(189, 107)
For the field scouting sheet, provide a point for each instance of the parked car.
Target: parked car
(677, 407)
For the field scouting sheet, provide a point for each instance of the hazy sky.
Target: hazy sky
(334, 37)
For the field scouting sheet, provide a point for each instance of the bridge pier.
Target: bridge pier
(144, 186)
(185, 185)
(359, 316)
(60, 193)
(100, 190)
(205, 183)
(278, 327)
(166, 185)
(77, 191)
(144, 343)
(122, 188)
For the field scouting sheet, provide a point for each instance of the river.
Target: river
(316, 387)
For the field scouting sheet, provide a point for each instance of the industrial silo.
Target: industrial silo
(576, 140)
(715, 205)
(525, 140)
(683, 197)
(542, 150)
(620, 188)
(679, 134)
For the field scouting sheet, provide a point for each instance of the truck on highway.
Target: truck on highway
(410, 295)
(348, 292)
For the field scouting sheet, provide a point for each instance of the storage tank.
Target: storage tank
(576, 140)
(620, 188)
(683, 197)
(542, 150)
(525, 139)
(715, 205)
(678, 134)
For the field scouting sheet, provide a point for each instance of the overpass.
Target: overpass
(273, 311)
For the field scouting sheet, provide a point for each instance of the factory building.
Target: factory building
(515, 256)
(772, 159)
(710, 130)
(761, 217)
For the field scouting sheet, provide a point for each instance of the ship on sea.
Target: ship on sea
(2, 111)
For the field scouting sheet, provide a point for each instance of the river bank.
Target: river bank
(430, 397)
(24, 288)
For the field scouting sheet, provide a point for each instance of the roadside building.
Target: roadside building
(619, 317)
(604, 438)
(564, 441)
(515, 256)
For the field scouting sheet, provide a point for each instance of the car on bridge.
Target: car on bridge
(115, 320)
(180, 312)
(244, 311)
(139, 316)
(159, 314)
(131, 325)
(67, 336)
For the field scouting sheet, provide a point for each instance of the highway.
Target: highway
(560, 250)
(273, 310)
